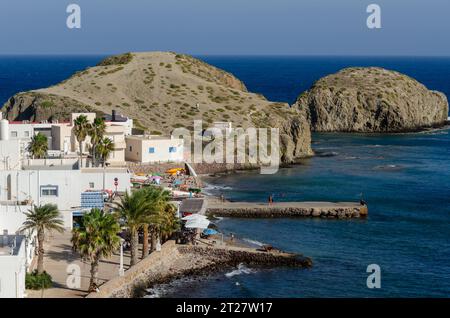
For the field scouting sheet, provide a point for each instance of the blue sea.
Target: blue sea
(405, 178)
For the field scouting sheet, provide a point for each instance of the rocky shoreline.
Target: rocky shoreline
(177, 261)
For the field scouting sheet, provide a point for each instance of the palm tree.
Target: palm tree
(81, 129)
(38, 146)
(41, 219)
(96, 132)
(157, 198)
(161, 217)
(133, 210)
(104, 149)
(96, 238)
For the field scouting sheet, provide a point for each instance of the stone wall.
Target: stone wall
(278, 212)
(148, 268)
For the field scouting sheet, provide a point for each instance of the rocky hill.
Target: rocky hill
(372, 100)
(162, 91)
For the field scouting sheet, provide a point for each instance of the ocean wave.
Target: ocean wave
(211, 188)
(162, 290)
(241, 269)
(388, 167)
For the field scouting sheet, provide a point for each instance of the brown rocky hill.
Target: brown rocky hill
(162, 91)
(372, 99)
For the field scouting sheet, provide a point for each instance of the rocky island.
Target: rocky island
(372, 99)
(162, 91)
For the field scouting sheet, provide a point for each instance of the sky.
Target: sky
(226, 27)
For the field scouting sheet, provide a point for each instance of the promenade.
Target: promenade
(59, 255)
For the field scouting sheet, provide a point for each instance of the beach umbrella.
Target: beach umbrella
(197, 224)
(210, 232)
(194, 217)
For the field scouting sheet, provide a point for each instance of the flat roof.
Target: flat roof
(150, 137)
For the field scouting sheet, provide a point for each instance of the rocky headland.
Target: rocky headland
(374, 100)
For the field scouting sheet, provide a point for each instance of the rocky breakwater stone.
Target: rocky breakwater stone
(231, 256)
(277, 212)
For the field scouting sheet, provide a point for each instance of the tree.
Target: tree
(41, 219)
(96, 238)
(133, 209)
(38, 146)
(104, 149)
(81, 129)
(96, 132)
(161, 218)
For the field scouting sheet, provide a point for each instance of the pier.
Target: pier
(340, 210)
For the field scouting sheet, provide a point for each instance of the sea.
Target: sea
(404, 178)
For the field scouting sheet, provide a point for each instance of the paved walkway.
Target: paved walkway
(59, 255)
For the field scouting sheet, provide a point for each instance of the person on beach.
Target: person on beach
(222, 198)
(270, 199)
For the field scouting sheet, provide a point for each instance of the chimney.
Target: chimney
(113, 115)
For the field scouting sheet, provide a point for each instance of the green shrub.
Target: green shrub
(38, 281)
(117, 59)
(47, 104)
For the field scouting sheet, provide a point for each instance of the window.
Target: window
(91, 185)
(151, 150)
(172, 149)
(14, 134)
(26, 134)
(49, 190)
(131, 148)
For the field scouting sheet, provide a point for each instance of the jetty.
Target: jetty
(340, 210)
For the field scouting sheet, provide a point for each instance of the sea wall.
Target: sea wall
(175, 261)
(293, 211)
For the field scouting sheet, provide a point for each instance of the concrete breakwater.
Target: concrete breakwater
(176, 261)
(340, 210)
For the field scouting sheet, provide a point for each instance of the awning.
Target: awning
(197, 224)
(194, 217)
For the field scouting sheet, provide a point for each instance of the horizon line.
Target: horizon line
(230, 55)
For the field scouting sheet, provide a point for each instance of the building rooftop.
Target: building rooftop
(149, 137)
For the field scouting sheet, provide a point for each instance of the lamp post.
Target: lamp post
(121, 270)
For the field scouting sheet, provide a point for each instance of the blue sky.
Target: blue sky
(226, 27)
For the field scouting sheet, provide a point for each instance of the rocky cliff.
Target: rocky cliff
(372, 100)
(162, 91)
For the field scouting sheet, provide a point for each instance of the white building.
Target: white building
(151, 149)
(62, 141)
(20, 189)
(13, 263)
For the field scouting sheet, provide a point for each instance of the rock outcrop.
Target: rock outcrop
(372, 99)
(162, 91)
